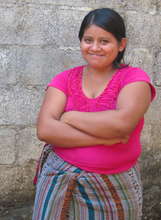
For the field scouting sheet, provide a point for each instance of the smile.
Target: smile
(96, 55)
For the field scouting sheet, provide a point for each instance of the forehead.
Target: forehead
(96, 31)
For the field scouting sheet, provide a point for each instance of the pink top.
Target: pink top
(100, 159)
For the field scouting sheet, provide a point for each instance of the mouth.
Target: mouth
(96, 55)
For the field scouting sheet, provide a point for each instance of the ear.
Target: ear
(123, 44)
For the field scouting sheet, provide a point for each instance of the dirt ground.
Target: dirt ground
(18, 212)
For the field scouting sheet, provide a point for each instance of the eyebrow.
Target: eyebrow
(87, 35)
(102, 38)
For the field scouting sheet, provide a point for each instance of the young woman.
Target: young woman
(91, 119)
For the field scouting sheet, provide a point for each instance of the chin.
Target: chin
(96, 65)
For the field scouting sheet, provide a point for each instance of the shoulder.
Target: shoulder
(135, 74)
(64, 75)
(61, 80)
(72, 70)
(132, 70)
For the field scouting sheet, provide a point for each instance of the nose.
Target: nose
(95, 46)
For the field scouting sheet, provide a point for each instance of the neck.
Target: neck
(100, 72)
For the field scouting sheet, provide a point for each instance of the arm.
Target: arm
(133, 101)
(51, 130)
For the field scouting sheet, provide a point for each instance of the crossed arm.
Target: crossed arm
(73, 129)
(132, 103)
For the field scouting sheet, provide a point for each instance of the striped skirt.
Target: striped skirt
(65, 192)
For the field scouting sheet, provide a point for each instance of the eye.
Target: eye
(88, 40)
(104, 41)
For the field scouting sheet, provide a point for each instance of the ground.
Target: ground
(18, 212)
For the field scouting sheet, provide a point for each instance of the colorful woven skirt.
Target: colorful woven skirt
(65, 192)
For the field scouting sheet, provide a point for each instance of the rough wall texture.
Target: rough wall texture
(38, 39)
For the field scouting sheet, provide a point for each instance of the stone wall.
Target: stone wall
(38, 39)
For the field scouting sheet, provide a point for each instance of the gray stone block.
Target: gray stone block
(158, 70)
(150, 162)
(8, 71)
(158, 5)
(36, 65)
(7, 2)
(68, 23)
(69, 3)
(154, 112)
(28, 25)
(140, 57)
(143, 29)
(16, 183)
(115, 4)
(151, 184)
(146, 135)
(36, 25)
(71, 58)
(150, 135)
(8, 16)
(7, 145)
(151, 138)
(149, 6)
(29, 147)
(19, 105)
(17, 212)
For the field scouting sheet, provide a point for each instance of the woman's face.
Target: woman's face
(100, 48)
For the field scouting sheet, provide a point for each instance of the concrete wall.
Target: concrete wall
(38, 39)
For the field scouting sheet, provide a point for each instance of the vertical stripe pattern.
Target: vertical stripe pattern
(65, 192)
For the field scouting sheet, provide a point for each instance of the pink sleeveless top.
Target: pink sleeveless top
(100, 159)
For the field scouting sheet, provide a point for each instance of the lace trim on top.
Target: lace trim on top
(106, 100)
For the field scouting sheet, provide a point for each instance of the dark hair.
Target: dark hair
(110, 21)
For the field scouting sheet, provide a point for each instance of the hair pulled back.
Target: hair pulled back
(110, 21)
